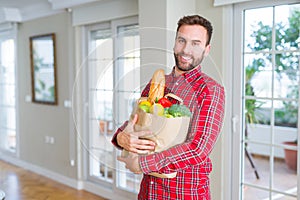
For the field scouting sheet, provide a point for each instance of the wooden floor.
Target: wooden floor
(20, 184)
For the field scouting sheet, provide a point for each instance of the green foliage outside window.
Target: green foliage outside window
(287, 38)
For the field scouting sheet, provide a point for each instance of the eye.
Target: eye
(196, 43)
(181, 40)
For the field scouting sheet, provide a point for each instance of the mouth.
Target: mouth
(185, 58)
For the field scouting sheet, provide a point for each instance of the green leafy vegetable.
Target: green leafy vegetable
(177, 110)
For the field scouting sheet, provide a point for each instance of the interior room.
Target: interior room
(72, 71)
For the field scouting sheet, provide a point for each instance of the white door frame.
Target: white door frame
(233, 80)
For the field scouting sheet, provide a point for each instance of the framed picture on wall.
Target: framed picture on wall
(43, 69)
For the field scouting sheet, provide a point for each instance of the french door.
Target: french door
(8, 103)
(113, 86)
(266, 87)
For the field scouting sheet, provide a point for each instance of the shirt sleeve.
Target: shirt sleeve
(206, 126)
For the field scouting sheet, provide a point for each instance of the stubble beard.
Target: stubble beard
(189, 66)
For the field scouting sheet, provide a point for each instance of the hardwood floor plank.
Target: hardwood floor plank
(21, 184)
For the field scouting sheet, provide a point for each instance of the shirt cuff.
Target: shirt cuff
(151, 163)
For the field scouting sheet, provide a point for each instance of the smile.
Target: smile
(186, 58)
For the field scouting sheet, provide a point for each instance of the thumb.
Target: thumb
(133, 121)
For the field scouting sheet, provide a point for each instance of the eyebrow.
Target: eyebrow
(181, 37)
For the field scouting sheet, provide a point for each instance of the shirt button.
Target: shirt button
(151, 182)
(176, 83)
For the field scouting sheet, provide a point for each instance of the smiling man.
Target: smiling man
(205, 99)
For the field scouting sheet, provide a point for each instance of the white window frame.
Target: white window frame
(232, 57)
(9, 30)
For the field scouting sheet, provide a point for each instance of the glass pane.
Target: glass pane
(286, 115)
(257, 165)
(285, 176)
(258, 29)
(126, 179)
(7, 52)
(130, 43)
(3, 138)
(101, 74)
(8, 118)
(130, 80)
(287, 19)
(279, 196)
(126, 104)
(258, 75)
(101, 162)
(105, 78)
(8, 95)
(101, 64)
(102, 103)
(251, 193)
(7, 76)
(129, 40)
(102, 50)
(257, 111)
(7, 139)
(127, 91)
(286, 83)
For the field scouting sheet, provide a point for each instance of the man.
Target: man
(205, 99)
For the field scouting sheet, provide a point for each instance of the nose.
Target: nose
(187, 49)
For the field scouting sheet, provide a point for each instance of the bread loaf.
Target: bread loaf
(157, 87)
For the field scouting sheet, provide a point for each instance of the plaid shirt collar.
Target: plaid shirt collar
(190, 76)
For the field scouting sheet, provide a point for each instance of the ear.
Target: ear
(207, 50)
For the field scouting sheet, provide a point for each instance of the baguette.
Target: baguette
(157, 87)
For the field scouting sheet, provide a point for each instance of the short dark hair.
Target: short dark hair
(197, 20)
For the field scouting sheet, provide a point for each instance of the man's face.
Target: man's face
(190, 47)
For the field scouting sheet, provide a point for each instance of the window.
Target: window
(270, 102)
(8, 125)
(113, 85)
(270, 57)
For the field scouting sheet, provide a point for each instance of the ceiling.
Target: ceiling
(23, 10)
(19, 3)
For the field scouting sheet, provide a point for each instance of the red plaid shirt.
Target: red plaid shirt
(205, 98)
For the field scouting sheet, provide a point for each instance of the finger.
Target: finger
(134, 120)
(120, 158)
(146, 142)
(143, 133)
(145, 147)
(143, 152)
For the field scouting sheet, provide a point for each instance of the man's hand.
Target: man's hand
(131, 162)
(129, 140)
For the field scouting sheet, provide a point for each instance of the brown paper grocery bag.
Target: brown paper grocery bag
(166, 132)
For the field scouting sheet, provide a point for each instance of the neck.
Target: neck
(178, 72)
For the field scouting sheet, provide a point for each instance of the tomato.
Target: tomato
(165, 102)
